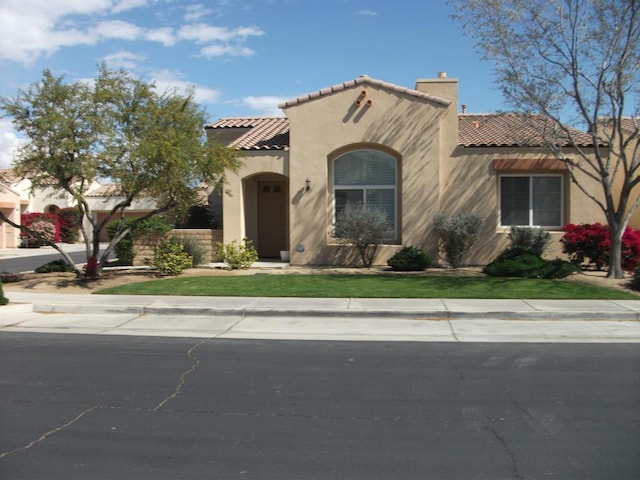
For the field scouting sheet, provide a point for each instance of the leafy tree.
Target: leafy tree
(149, 144)
(575, 62)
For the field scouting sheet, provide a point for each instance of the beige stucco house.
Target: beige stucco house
(11, 205)
(407, 151)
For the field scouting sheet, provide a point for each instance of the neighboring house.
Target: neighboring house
(406, 151)
(11, 206)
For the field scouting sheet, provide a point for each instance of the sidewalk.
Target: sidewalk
(424, 320)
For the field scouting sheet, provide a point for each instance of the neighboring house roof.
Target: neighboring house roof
(108, 190)
(255, 133)
(512, 129)
(365, 80)
(9, 176)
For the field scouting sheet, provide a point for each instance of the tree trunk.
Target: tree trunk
(615, 251)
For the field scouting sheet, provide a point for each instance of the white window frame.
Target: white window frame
(530, 177)
(365, 188)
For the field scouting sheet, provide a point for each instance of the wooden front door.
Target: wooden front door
(272, 220)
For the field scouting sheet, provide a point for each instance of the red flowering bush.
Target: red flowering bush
(45, 224)
(591, 243)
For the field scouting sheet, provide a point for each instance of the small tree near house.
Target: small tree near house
(365, 228)
(150, 144)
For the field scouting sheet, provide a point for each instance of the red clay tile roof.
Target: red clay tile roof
(8, 176)
(263, 133)
(511, 129)
(365, 80)
(108, 190)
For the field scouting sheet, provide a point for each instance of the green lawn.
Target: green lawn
(368, 286)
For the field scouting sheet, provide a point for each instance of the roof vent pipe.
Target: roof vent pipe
(442, 74)
(464, 108)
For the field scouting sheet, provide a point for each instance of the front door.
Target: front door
(272, 222)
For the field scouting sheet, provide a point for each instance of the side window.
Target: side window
(531, 200)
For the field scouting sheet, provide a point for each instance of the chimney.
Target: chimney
(442, 74)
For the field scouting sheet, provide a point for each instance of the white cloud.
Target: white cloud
(368, 13)
(168, 80)
(30, 29)
(196, 12)
(221, 50)
(265, 105)
(9, 142)
(124, 59)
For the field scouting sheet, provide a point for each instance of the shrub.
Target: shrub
(591, 243)
(3, 300)
(170, 258)
(124, 248)
(69, 221)
(59, 265)
(635, 279)
(457, 233)
(363, 227)
(518, 262)
(44, 224)
(533, 239)
(410, 259)
(192, 247)
(237, 255)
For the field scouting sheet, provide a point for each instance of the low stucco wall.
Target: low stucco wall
(207, 239)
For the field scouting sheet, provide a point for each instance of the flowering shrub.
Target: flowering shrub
(170, 258)
(45, 224)
(237, 255)
(591, 242)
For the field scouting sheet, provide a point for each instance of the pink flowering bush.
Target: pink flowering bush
(45, 224)
(590, 243)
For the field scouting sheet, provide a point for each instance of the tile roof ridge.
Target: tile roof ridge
(363, 79)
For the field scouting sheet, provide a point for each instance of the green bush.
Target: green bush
(237, 255)
(410, 259)
(526, 238)
(3, 300)
(192, 247)
(170, 258)
(519, 262)
(635, 280)
(59, 265)
(457, 233)
(124, 248)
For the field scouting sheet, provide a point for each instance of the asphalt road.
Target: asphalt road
(29, 263)
(94, 407)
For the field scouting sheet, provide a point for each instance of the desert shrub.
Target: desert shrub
(10, 277)
(193, 247)
(533, 239)
(457, 233)
(3, 300)
(410, 259)
(69, 221)
(518, 262)
(59, 265)
(363, 227)
(169, 258)
(237, 255)
(591, 243)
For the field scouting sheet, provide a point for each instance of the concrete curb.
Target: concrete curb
(436, 315)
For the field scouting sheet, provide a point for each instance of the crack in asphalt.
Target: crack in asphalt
(509, 452)
(53, 431)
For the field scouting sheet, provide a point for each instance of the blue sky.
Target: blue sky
(243, 57)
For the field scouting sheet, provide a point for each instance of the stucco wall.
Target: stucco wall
(405, 127)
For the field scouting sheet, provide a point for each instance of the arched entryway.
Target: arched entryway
(267, 213)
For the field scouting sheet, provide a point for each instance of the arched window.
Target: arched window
(367, 177)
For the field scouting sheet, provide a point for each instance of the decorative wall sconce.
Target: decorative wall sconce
(307, 185)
